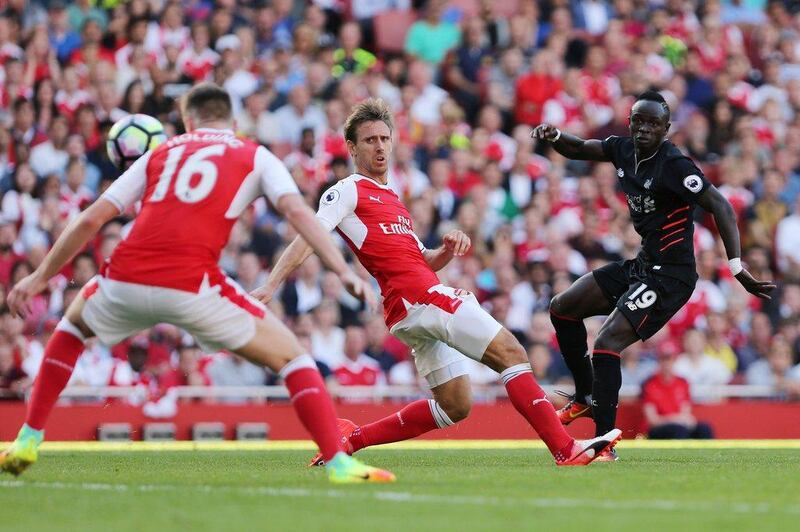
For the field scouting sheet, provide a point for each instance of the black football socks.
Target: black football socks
(605, 389)
(571, 335)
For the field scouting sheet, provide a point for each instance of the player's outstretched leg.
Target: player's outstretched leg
(567, 311)
(506, 356)
(60, 355)
(277, 348)
(451, 403)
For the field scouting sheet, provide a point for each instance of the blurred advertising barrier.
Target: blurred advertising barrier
(746, 412)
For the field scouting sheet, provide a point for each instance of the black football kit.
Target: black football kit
(662, 191)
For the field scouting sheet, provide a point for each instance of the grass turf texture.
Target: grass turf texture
(438, 489)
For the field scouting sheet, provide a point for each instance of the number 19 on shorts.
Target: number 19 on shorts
(641, 298)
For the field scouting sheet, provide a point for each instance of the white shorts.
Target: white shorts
(219, 317)
(439, 338)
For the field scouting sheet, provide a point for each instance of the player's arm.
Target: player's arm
(715, 203)
(302, 218)
(124, 192)
(282, 191)
(292, 257)
(69, 243)
(454, 244)
(570, 146)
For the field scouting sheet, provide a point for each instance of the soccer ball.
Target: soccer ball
(131, 137)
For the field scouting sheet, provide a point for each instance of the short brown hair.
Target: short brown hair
(207, 102)
(370, 110)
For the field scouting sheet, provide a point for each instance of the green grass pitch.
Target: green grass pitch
(472, 488)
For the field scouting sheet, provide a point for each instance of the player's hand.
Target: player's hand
(263, 293)
(758, 288)
(359, 288)
(456, 242)
(544, 132)
(20, 296)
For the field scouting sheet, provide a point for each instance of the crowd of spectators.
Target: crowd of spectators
(466, 81)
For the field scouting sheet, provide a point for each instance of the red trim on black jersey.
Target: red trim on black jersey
(672, 244)
(675, 232)
(676, 211)
(673, 224)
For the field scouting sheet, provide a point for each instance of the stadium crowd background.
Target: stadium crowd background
(467, 80)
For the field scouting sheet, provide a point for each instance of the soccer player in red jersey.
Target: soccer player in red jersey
(441, 324)
(192, 190)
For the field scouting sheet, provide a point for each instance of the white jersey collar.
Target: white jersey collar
(214, 130)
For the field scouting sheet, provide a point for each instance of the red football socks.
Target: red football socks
(60, 355)
(529, 399)
(312, 403)
(414, 419)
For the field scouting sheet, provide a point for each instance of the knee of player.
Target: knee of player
(557, 305)
(457, 410)
(504, 352)
(514, 354)
(278, 363)
(506, 357)
(607, 341)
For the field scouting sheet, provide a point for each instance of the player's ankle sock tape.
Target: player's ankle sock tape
(68, 327)
(303, 361)
(605, 390)
(571, 335)
(515, 371)
(439, 415)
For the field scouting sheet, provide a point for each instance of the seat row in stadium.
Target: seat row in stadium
(154, 432)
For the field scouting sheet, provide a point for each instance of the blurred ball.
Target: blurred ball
(131, 137)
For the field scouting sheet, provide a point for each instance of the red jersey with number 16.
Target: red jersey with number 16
(377, 227)
(193, 188)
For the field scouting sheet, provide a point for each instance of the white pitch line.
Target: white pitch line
(409, 497)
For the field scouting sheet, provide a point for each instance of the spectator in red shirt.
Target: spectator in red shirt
(191, 370)
(462, 177)
(12, 378)
(198, 60)
(535, 88)
(358, 369)
(668, 408)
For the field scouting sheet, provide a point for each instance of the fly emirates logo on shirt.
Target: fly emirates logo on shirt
(401, 227)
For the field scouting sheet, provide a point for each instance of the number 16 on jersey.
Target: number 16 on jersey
(187, 188)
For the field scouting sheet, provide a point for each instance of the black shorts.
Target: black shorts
(647, 299)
